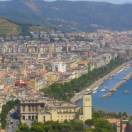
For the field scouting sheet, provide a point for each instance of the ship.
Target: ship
(126, 92)
(107, 95)
(103, 90)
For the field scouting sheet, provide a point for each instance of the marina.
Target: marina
(114, 94)
(117, 90)
(118, 85)
(113, 84)
(116, 78)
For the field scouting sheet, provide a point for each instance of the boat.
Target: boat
(107, 95)
(126, 92)
(120, 70)
(102, 90)
(94, 92)
(96, 88)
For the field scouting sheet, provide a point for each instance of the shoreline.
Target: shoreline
(97, 83)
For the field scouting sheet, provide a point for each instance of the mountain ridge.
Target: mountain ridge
(69, 15)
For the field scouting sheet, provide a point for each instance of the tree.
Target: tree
(6, 109)
(89, 123)
(23, 128)
(67, 90)
(37, 127)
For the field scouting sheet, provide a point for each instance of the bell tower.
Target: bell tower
(87, 107)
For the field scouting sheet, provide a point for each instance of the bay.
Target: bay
(121, 100)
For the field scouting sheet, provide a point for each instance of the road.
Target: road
(12, 124)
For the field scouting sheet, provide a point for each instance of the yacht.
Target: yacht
(103, 90)
(94, 92)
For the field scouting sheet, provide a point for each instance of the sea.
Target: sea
(121, 100)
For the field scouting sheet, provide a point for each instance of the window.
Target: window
(36, 108)
(29, 117)
(23, 108)
(44, 119)
(29, 108)
(32, 117)
(36, 117)
(23, 117)
(33, 108)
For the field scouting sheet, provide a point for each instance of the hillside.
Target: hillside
(8, 28)
(69, 15)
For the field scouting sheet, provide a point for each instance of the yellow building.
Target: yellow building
(51, 77)
(51, 110)
(87, 108)
(29, 110)
(37, 83)
(59, 112)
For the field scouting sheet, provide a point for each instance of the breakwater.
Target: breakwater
(118, 85)
(120, 101)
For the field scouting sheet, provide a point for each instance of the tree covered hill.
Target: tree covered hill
(69, 15)
(11, 28)
(8, 28)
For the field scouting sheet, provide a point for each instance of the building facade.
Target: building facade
(52, 110)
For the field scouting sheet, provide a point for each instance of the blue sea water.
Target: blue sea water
(120, 101)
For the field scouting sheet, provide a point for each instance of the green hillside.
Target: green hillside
(8, 28)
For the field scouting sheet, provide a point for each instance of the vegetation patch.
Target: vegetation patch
(67, 90)
(5, 110)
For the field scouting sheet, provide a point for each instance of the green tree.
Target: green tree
(67, 90)
(5, 110)
(23, 128)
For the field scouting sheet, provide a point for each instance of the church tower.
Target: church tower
(87, 107)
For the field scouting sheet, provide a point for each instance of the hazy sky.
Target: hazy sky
(112, 1)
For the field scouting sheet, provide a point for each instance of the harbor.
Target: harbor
(118, 85)
(115, 94)
(113, 89)
(96, 86)
(119, 101)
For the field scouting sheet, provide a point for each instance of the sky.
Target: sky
(111, 1)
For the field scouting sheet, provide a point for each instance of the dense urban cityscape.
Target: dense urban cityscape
(62, 72)
(30, 65)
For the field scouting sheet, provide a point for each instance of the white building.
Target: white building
(59, 67)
